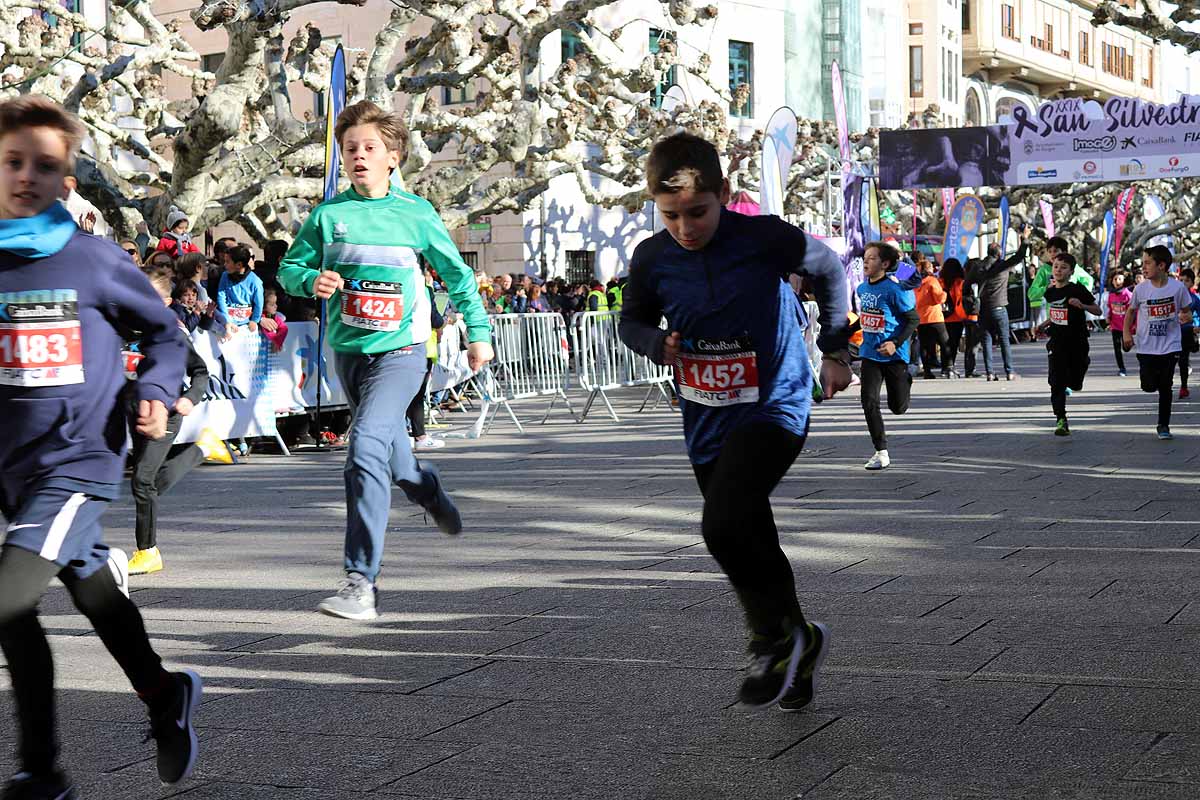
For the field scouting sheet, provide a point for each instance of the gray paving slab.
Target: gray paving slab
(1012, 616)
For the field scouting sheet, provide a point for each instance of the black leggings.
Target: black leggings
(1157, 373)
(1185, 361)
(739, 527)
(24, 577)
(416, 409)
(158, 464)
(899, 391)
(954, 334)
(932, 336)
(1119, 349)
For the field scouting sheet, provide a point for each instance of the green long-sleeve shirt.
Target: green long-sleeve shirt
(373, 244)
(1041, 282)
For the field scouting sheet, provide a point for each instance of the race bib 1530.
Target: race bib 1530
(373, 305)
(1059, 315)
(40, 339)
(719, 372)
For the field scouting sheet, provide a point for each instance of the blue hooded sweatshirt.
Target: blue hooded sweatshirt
(240, 298)
(63, 296)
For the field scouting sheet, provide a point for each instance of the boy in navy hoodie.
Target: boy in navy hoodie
(62, 294)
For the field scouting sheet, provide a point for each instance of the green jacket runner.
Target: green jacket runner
(373, 244)
(1041, 282)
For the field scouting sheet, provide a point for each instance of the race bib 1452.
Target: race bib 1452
(720, 372)
(40, 339)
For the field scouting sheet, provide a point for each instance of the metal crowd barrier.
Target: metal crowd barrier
(603, 363)
(532, 360)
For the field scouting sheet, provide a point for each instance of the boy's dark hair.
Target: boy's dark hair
(1160, 254)
(682, 162)
(1059, 242)
(274, 251)
(1066, 258)
(364, 112)
(224, 244)
(161, 278)
(180, 288)
(1188, 273)
(887, 254)
(37, 111)
(240, 254)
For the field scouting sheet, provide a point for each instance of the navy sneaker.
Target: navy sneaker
(51, 786)
(441, 507)
(171, 727)
(771, 669)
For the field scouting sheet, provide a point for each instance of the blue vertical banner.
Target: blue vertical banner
(1106, 246)
(966, 218)
(1003, 225)
(335, 101)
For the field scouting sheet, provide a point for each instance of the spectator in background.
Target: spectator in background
(216, 265)
(271, 313)
(240, 293)
(537, 303)
(519, 302)
(135, 255)
(175, 240)
(952, 278)
(932, 328)
(991, 276)
(158, 259)
(142, 240)
(597, 298)
(267, 270)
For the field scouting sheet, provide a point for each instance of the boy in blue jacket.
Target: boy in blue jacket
(745, 386)
(62, 294)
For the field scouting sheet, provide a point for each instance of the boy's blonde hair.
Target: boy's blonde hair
(364, 112)
(37, 111)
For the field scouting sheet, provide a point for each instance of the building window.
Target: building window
(916, 71)
(957, 74)
(966, 16)
(916, 29)
(581, 266)
(1085, 48)
(212, 62)
(470, 258)
(974, 112)
(741, 72)
(1008, 22)
(1148, 65)
(671, 76)
(572, 44)
(452, 95)
(1117, 61)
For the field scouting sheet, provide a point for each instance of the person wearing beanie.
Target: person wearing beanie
(175, 240)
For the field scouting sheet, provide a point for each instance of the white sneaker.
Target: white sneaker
(428, 443)
(879, 461)
(118, 564)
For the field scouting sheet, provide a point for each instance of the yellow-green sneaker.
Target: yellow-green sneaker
(144, 562)
(804, 687)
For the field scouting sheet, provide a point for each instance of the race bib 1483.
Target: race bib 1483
(40, 339)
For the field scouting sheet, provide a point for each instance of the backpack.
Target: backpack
(970, 299)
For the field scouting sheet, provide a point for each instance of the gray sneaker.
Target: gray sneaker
(355, 599)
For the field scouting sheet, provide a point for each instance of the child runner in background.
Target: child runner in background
(158, 464)
(1067, 350)
(271, 312)
(63, 451)
(744, 381)
(931, 328)
(1187, 333)
(240, 292)
(360, 250)
(1119, 298)
(888, 315)
(1159, 308)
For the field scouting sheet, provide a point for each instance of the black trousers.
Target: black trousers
(24, 577)
(158, 464)
(974, 337)
(932, 335)
(1185, 355)
(954, 334)
(1119, 350)
(739, 528)
(416, 409)
(1157, 373)
(899, 391)
(1068, 365)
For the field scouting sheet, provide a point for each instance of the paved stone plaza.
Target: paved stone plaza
(1013, 615)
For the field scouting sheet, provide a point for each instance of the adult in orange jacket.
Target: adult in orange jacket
(953, 281)
(932, 328)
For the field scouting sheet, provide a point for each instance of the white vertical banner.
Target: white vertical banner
(294, 372)
(779, 148)
(238, 401)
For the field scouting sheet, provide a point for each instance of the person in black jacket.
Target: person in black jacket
(991, 276)
(160, 463)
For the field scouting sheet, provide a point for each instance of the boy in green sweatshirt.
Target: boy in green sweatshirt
(360, 251)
